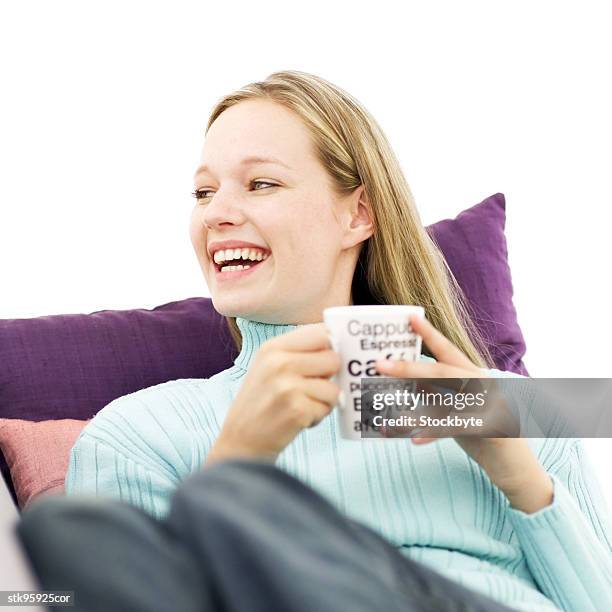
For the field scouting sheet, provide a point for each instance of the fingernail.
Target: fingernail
(341, 399)
(415, 432)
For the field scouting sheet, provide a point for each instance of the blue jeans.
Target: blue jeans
(240, 536)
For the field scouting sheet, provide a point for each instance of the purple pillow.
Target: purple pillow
(71, 366)
(474, 246)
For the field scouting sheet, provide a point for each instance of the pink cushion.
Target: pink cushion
(37, 454)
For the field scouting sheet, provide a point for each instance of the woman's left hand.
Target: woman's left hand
(509, 462)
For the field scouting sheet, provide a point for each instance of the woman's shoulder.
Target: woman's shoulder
(160, 411)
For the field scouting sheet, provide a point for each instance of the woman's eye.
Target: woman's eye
(263, 183)
(198, 194)
(201, 194)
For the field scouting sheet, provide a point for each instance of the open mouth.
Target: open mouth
(232, 261)
(225, 268)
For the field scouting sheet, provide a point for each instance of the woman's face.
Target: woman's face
(309, 238)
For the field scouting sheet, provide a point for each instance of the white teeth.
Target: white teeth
(240, 254)
(232, 268)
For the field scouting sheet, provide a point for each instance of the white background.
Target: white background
(104, 106)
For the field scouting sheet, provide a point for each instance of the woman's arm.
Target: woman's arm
(568, 543)
(560, 523)
(142, 445)
(100, 469)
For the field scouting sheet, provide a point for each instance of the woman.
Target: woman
(301, 205)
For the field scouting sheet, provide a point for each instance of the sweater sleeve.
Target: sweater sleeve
(100, 469)
(140, 446)
(567, 545)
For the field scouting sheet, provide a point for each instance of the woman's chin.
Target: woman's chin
(228, 307)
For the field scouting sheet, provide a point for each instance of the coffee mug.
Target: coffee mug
(361, 335)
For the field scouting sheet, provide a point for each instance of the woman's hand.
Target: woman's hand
(286, 390)
(509, 462)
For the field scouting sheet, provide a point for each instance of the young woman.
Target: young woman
(300, 205)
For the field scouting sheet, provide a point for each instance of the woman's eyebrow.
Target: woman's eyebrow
(252, 159)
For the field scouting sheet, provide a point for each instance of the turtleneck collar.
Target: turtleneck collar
(254, 334)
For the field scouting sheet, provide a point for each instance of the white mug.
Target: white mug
(361, 335)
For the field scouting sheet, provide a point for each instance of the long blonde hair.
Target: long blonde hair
(399, 263)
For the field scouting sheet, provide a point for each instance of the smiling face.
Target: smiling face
(310, 236)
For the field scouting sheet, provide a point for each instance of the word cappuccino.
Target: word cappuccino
(382, 336)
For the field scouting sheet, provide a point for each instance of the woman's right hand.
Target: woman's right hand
(285, 390)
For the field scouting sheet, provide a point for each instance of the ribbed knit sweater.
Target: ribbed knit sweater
(433, 502)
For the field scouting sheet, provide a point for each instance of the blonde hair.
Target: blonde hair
(399, 263)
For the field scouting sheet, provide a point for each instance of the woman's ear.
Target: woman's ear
(361, 219)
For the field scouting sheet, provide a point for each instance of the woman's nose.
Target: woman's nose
(222, 208)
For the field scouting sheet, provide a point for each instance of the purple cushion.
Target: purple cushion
(71, 366)
(474, 245)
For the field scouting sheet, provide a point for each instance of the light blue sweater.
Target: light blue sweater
(433, 502)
